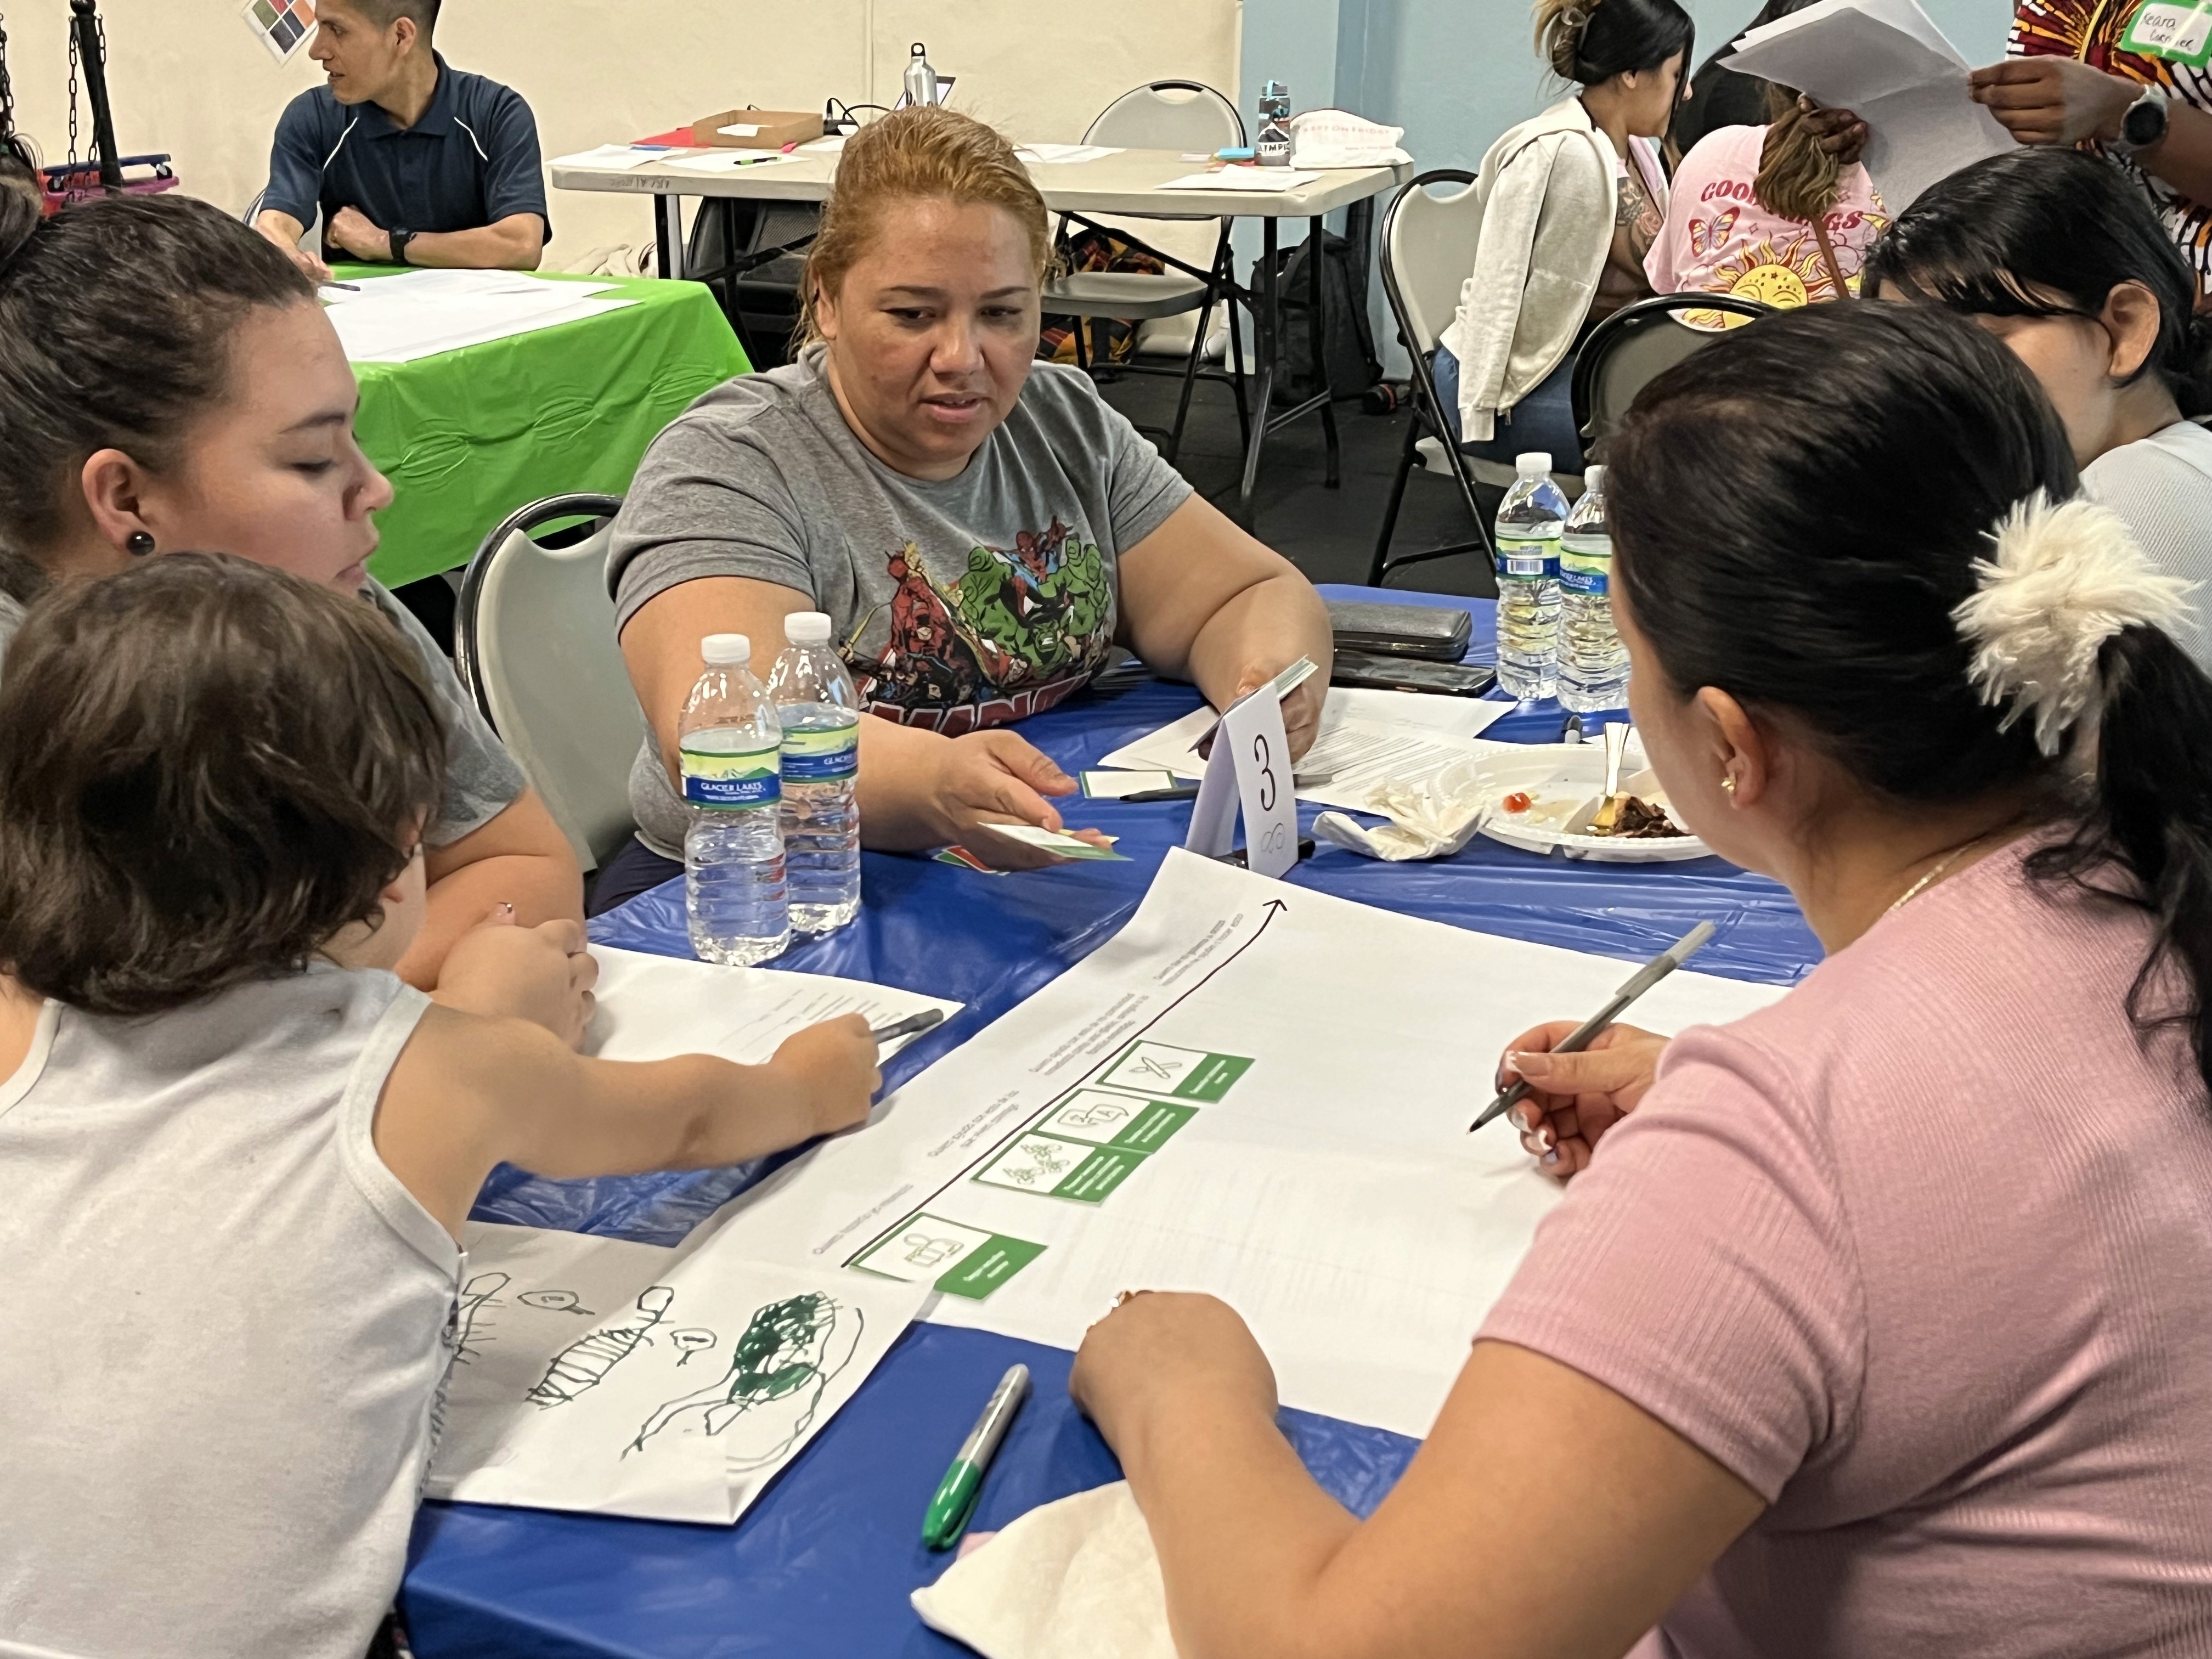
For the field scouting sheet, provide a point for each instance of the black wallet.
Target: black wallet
(1400, 630)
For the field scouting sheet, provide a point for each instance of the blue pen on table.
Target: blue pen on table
(950, 1509)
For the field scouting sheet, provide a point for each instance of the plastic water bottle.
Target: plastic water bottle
(820, 710)
(730, 741)
(1593, 662)
(1530, 521)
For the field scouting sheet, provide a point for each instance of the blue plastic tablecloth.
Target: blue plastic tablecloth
(823, 1563)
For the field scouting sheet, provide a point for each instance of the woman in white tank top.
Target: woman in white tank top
(235, 1150)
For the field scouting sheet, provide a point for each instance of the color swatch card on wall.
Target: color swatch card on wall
(282, 25)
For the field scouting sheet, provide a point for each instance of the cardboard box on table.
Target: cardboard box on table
(758, 129)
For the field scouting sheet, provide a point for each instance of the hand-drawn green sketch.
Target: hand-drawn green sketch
(470, 1326)
(556, 1302)
(694, 1340)
(779, 1369)
(585, 1363)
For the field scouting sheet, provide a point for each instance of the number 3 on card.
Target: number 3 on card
(1247, 769)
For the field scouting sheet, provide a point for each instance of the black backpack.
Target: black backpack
(1352, 365)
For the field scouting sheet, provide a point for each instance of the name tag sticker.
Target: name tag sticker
(2180, 31)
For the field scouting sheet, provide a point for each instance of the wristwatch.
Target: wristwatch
(2143, 122)
(400, 239)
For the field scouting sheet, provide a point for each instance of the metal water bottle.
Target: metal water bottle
(1272, 147)
(920, 79)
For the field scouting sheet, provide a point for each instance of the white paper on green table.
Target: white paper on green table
(1262, 180)
(1279, 1084)
(420, 314)
(1368, 740)
(618, 1378)
(654, 1008)
(1113, 786)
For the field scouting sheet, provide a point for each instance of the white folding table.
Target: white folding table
(1125, 183)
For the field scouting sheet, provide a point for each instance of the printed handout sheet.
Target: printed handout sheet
(1254, 1091)
(1368, 739)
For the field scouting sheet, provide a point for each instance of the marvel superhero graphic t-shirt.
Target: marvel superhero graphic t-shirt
(976, 601)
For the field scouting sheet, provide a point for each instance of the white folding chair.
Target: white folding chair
(534, 641)
(1428, 246)
(1183, 116)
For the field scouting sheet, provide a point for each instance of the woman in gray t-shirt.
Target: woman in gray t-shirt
(981, 529)
(169, 384)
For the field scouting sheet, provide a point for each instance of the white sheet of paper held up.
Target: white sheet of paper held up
(1887, 61)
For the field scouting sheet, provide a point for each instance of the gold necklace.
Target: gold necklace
(1933, 876)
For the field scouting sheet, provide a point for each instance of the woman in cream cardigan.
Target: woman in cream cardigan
(1571, 201)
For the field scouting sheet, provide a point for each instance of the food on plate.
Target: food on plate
(1517, 802)
(1641, 820)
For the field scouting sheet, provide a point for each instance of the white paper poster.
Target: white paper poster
(616, 1378)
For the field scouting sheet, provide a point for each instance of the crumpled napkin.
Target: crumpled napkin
(1424, 823)
(1338, 138)
(1077, 1579)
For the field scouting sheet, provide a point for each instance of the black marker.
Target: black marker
(1186, 792)
(908, 1026)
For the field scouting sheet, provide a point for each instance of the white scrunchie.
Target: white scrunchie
(2065, 577)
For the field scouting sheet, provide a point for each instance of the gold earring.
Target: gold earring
(1728, 785)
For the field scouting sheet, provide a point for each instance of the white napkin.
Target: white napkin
(1338, 138)
(1073, 1580)
(1424, 823)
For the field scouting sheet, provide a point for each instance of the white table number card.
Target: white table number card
(1249, 767)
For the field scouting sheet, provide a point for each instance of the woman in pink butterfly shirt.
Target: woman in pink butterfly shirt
(1767, 214)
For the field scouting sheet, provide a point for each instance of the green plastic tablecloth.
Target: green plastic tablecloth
(468, 436)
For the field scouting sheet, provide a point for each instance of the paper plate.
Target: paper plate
(1568, 783)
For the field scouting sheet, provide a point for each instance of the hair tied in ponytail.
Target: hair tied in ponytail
(2063, 579)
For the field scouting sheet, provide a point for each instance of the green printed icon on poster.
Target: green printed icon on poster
(1103, 1118)
(1061, 1168)
(1161, 1068)
(957, 1259)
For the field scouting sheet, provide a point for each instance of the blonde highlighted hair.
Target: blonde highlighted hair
(1797, 179)
(924, 153)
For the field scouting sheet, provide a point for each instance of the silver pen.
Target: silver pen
(1581, 1037)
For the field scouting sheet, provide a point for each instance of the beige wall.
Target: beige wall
(188, 77)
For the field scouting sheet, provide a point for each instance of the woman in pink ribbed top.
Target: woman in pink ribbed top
(1881, 1323)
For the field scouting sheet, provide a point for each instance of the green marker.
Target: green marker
(948, 1512)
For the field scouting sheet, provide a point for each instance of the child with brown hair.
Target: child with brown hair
(239, 1151)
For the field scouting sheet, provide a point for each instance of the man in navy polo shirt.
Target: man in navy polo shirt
(409, 161)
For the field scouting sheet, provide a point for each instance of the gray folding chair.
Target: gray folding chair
(1635, 346)
(1428, 246)
(534, 642)
(1183, 116)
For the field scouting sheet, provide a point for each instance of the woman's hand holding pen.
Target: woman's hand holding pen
(1573, 1099)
